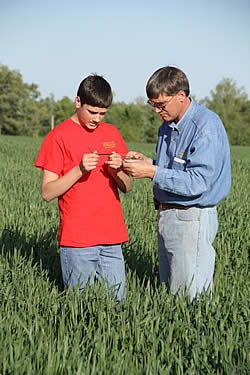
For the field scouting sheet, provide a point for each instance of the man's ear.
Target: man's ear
(182, 96)
(78, 102)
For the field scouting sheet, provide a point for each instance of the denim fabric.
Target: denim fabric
(193, 159)
(87, 263)
(186, 254)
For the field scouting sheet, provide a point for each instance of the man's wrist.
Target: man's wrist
(152, 171)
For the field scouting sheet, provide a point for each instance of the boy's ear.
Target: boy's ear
(78, 102)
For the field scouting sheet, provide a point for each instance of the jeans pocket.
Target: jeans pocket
(213, 224)
(191, 214)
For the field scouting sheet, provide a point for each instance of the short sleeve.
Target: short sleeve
(120, 143)
(50, 155)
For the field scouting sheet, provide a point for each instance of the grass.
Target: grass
(44, 330)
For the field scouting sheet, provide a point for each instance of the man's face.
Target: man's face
(169, 107)
(90, 116)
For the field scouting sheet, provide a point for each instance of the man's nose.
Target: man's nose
(157, 110)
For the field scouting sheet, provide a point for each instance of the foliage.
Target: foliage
(45, 330)
(56, 112)
(233, 107)
(20, 111)
(24, 112)
(136, 122)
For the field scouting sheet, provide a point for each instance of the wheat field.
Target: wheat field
(45, 330)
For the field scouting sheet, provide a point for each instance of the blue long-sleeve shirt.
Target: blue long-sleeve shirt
(193, 159)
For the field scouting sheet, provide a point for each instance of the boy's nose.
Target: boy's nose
(97, 118)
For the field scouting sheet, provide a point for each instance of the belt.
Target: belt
(171, 206)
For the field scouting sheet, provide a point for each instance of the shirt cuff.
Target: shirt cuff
(158, 175)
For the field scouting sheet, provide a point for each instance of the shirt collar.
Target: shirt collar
(181, 123)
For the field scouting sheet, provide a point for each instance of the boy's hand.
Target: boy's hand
(89, 162)
(115, 161)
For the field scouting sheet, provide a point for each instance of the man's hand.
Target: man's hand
(135, 155)
(141, 167)
(89, 162)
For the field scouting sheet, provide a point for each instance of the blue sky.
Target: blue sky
(57, 43)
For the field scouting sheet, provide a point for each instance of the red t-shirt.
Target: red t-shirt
(90, 211)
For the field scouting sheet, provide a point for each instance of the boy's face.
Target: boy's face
(88, 115)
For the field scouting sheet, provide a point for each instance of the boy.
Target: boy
(85, 182)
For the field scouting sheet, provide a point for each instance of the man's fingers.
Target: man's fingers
(134, 155)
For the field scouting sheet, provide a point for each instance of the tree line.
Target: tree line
(24, 112)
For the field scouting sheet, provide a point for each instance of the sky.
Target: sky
(56, 44)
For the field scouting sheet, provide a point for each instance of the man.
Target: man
(81, 160)
(191, 175)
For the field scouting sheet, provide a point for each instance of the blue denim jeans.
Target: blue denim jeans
(186, 254)
(84, 264)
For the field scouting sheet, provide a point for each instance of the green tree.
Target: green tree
(20, 109)
(24, 112)
(49, 105)
(56, 111)
(64, 109)
(136, 122)
(232, 105)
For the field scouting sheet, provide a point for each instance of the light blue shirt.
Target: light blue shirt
(193, 159)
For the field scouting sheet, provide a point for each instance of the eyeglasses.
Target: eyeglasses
(161, 106)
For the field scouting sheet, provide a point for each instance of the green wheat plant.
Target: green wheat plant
(45, 330)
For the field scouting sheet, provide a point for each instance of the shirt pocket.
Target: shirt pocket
(179, 164)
